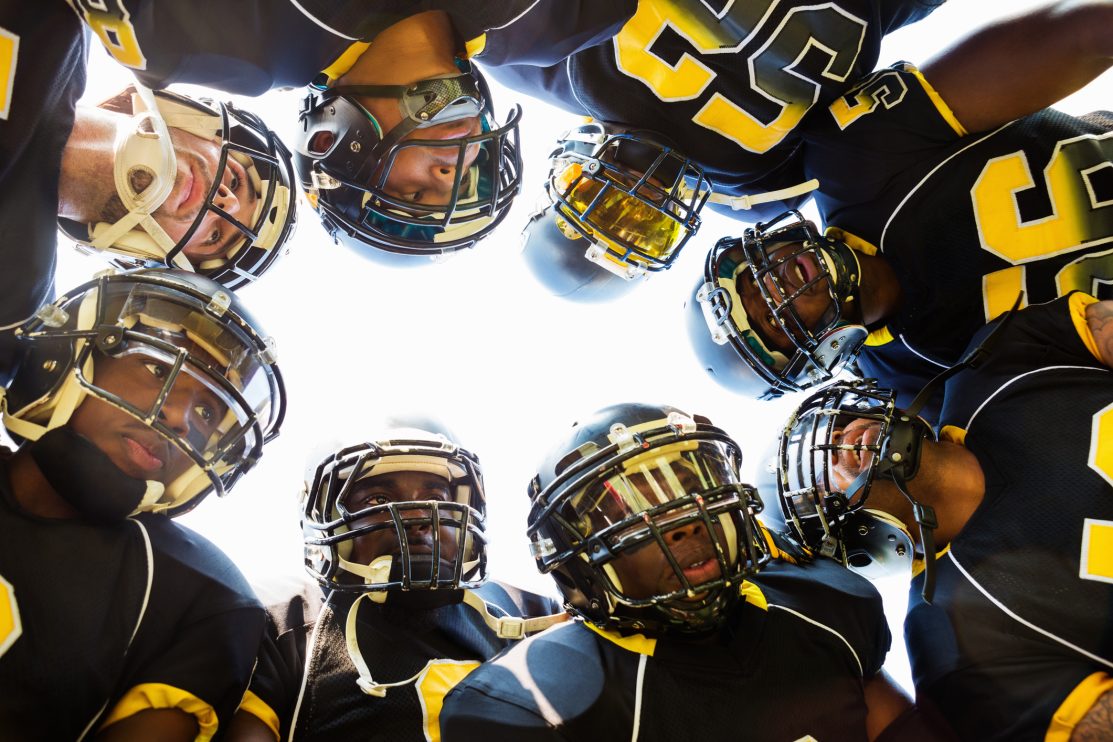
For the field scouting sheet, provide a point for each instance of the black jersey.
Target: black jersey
(42, 74)
(1023, 609)
(251, 46)
(790, 662)
(306, 682)
(100, 622)
(966, 221)
(728, 83)
(245, 47)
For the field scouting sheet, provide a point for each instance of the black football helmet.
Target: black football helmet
(832, 449)
(429, 544)
(345, 161)
(248, 149)
(180, 325)
(620, 204)
(633, 477)
(781, 264)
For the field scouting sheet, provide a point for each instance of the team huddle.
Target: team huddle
(947, 327)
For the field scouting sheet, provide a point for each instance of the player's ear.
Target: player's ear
(1099, 322)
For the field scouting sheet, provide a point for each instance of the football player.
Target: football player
(932, 230)
(729, 85)
(653, 542)
(197, 185)
(395, 536)
(620, 205)
(139, 394)
(1012, 506)
(398, 148)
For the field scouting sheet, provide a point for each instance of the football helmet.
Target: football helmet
(634, 477)
(179, 325)
(623, 203)
(248, 149)
(437, 543)
(345, 161)
(782, 266)
(832, 449)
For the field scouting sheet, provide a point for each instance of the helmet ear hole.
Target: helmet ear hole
(321, 143)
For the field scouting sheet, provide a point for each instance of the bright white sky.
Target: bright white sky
(478, 342)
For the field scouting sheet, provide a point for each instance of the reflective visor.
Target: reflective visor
(621, 218)
(649, 481)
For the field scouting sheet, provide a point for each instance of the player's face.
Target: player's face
(400, 487)
(846, 464)
(424, 175)
(793, 272)
(192, 410)
(645, 571)
(197, 164)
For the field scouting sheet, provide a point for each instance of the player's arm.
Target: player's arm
(168, 725)
(247, 727)
(1099, 318)
(891, 716)
(1022, 64)
(1097, 724)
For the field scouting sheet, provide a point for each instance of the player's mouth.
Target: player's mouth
(191, 191)
(144, 457)
(701, 570)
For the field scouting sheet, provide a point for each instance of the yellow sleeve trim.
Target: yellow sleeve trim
(953, 434)
(257, 707)
(1076, 706)
(160, 696)
(344, 62)
(1078, 302)
(940, 105)
(853, 241)
(880, 336)
(753, 595)
(476, 46)
(918, 564)
(637, 643)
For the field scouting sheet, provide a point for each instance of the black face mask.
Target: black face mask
(85, 477)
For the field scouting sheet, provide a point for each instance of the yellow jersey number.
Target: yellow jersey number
(1096, 561)
(772, 75)
(10, 626)
(9, 52)
(111, 22)
(1078, 219)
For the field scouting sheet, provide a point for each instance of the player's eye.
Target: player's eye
(158, 370)
(234, 183)
(214, 237)
(205, 412)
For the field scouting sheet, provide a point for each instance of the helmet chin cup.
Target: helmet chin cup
(829, 355)
(597, 254)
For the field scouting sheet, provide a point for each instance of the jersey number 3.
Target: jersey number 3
(780, 90)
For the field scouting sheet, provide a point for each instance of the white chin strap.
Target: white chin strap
(505, 627)
(749, 201)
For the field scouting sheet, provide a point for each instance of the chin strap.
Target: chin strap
(505, 627)
(924, 514)
(749, 201)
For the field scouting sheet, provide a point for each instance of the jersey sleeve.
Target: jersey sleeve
(876, 131)
(544, 34)
(196, 646)
(1050, 334)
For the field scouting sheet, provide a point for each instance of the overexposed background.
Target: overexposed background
(479, 343)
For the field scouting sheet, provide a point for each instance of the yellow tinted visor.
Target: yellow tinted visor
(620, 219)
